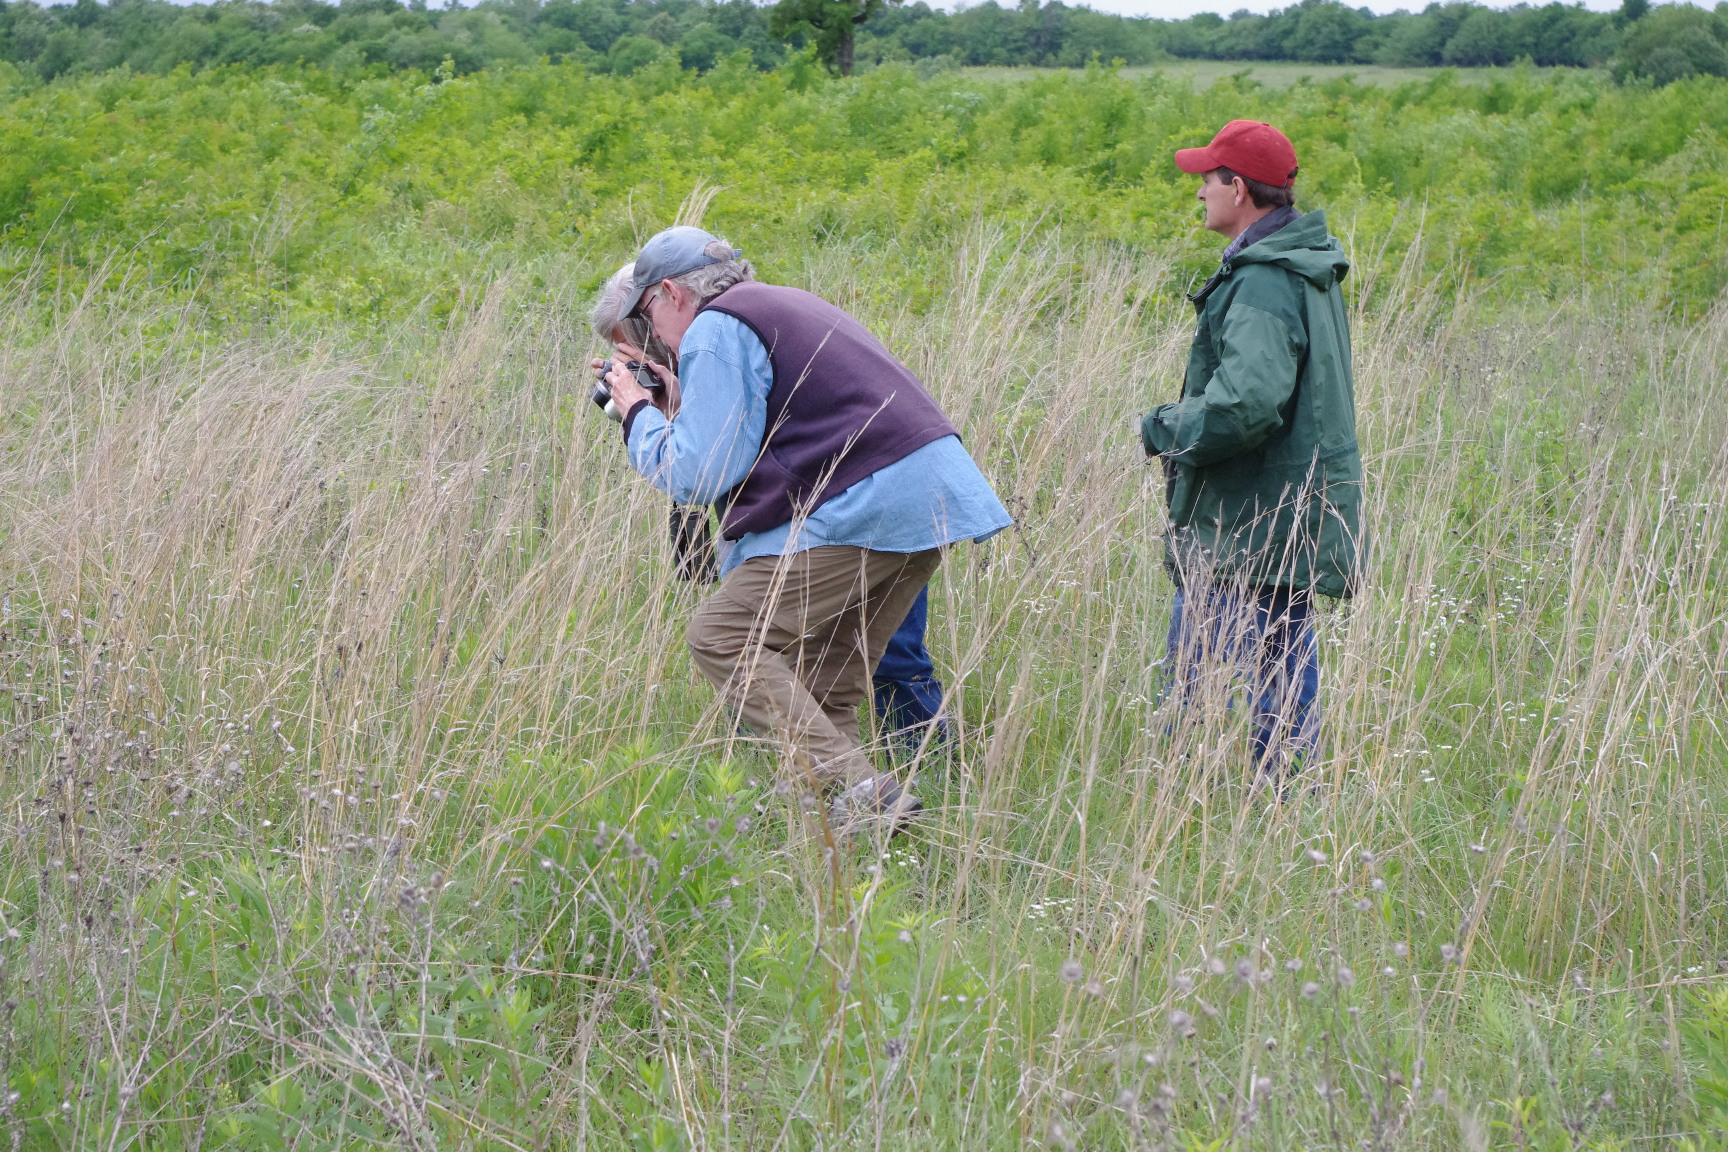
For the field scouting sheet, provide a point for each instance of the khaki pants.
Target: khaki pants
(790, 641)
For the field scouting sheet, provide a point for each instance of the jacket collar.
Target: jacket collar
(1260, 229)
(1249, 236)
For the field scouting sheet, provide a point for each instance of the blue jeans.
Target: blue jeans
(908, 695)
(1264, 635)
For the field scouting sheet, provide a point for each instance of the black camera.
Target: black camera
(602, 395)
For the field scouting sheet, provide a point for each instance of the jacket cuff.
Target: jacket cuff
(630, 419)
(1154, 436)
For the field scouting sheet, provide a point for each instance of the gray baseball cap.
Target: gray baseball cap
(667, 254)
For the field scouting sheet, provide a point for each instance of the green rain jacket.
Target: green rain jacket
(1264, 475)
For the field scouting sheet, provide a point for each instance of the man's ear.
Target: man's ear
(1241, 187)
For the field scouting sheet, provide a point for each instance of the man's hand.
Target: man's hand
(665, 398)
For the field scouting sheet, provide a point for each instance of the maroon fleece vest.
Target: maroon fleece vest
(841, 406)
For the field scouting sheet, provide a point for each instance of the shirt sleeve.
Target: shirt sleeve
(724, 376)
(1239, 406)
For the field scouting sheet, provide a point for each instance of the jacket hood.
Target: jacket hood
(1305, 248)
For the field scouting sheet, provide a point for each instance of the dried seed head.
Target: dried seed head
(1071, 971)
(1310, 990)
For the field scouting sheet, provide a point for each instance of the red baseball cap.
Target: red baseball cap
(1248, 148)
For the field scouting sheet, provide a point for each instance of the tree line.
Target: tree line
(622, 36)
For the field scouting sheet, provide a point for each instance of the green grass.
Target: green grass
(359, 791)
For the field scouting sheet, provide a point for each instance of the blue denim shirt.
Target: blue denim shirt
(932, 498)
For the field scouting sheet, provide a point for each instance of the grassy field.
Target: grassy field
(359, 791)
(1276, 74)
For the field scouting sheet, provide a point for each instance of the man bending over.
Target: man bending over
(842, 482)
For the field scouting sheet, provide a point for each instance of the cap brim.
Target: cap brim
(1196, 160)
(632, 301)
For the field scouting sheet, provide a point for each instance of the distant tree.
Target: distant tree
(1325, 32)
(83, 13)
(662, 27)
(1088, 34)
(703, 46)
(830, 24)
(990, 34)
(47, 40)
(1673, 42)
(598, 22)
(1479, 41)
(1250, 36)
(1562, 34)
(631, 54)
(1415, 40)
(1039, 32)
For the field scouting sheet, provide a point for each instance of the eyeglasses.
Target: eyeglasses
(642, 304)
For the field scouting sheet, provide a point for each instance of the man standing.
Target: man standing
(841, 479)
(1264, 476)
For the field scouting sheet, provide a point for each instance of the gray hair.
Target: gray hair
(609, 306)
(708, 282)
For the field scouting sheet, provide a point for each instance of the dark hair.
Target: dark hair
(1264, 195)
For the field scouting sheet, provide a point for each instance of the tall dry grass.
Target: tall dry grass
(359, 790)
